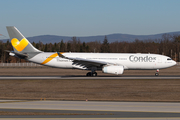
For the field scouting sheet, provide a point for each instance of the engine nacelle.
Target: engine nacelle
(112, 69)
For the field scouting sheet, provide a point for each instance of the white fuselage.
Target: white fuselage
(127, 60)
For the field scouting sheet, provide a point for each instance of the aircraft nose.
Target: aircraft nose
(174, 62)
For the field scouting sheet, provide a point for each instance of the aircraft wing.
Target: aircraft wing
(88, 61)
(85, 62)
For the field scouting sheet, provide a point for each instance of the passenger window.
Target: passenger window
(169, 59)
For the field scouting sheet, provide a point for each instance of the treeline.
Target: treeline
(168, 45)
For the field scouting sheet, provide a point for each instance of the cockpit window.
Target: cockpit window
(169, 59)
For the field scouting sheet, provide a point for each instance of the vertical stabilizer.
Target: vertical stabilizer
(19, 42)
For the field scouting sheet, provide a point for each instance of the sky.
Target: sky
(89, 17)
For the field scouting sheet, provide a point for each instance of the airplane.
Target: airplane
(112, 63)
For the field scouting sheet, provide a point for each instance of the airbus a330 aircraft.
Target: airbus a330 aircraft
(113, 63)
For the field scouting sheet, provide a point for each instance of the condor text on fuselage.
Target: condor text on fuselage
(133, 58)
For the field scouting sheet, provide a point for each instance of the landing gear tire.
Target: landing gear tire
(156, 74)
(94, 74)
(88, 74)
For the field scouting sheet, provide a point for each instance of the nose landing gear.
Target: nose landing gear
(157, 72)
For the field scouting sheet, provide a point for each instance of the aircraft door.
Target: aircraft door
(159, 60)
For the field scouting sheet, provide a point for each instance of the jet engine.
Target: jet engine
(113, 69)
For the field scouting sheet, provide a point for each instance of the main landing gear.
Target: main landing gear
(91, 74)
(157, 72)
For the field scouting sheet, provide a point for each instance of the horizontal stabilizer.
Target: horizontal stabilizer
(19, 55)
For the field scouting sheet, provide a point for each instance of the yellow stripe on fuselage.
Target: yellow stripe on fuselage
(49, 58)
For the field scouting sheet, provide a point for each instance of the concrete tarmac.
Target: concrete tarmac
(170, 77)
(72, 110)
(90, 118)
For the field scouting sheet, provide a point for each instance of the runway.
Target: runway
(92, 109)
(170, 77)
